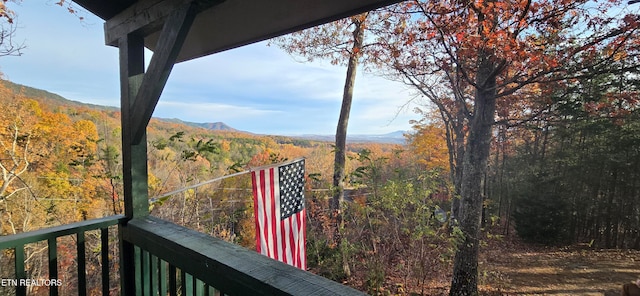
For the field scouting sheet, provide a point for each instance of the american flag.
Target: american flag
(278, 196)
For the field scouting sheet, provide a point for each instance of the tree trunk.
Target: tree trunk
(611, 192)
(465, 272)
(459, 163)
(343, 121)
(341, 136)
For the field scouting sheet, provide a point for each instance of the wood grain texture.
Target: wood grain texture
(225, 266)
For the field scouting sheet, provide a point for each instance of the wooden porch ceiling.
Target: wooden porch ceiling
(225, 25)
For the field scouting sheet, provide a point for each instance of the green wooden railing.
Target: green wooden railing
(168, 259)
(18, 242)
(173, 260)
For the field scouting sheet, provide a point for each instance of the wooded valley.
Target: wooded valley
(521, 169)
(569, 177)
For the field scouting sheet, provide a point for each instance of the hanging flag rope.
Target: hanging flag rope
(159, 197)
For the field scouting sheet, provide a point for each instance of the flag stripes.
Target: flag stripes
(279, 213)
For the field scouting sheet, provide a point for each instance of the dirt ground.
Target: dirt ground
(510, 267)
(523, 270)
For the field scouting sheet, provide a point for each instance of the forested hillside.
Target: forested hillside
(61, 163)
(566, 178)
(61, 156)
(571, 175)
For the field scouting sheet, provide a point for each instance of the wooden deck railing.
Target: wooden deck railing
(170, 260)
(173, 260)
(18, 242)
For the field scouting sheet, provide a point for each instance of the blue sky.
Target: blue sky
(256, 88)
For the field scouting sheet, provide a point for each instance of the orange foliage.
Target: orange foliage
(429, 144)
(532, 46)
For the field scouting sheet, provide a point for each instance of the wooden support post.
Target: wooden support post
(134, 157)
(172, 37)
(140, 93)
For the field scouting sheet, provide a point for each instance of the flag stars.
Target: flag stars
(291, 178)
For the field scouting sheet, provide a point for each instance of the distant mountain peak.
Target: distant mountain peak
(396, 137)
(215, 126)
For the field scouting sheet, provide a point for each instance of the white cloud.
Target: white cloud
(205, 112)
(255, 88)
(262, 71)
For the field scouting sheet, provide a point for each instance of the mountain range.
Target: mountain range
(396, 137)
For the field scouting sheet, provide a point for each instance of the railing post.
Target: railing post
(53, 264)
(82, 263)
(173, 280)
(104, 257)
(162, 277)
(21, 290)
(154, 280)
(145, 272)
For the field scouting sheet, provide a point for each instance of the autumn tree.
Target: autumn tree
(341, 42)
(428, 142)
(9, 46)
(475, 59)
(19, 149)
(582, 160)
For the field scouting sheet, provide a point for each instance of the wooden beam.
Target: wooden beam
(236, 23)
(222, 25)
(142, 18)
(105, 9)
(173, 33)
(146, 17)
